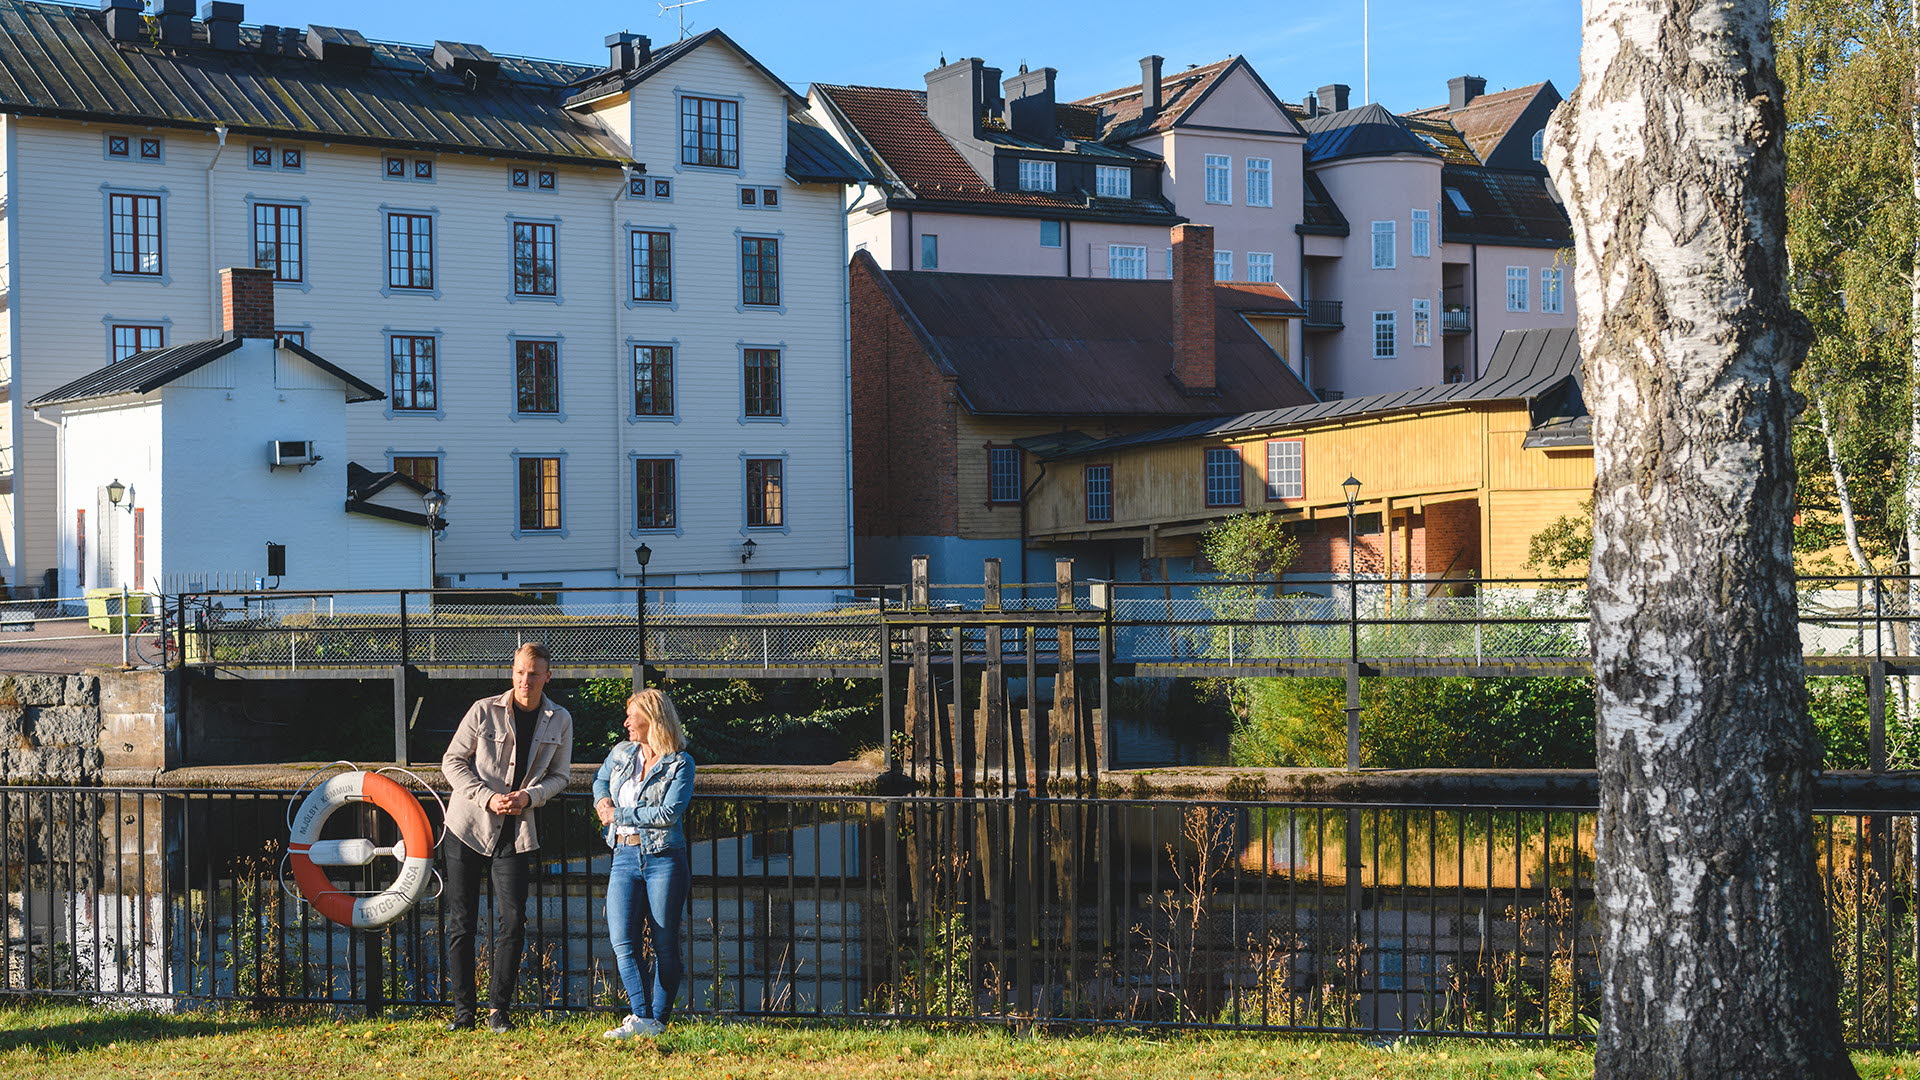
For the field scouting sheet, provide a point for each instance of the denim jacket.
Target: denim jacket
(664, 794)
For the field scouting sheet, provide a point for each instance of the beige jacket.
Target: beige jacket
(479, 765)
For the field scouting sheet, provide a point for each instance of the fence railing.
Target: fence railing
(1474, 920)
(117, 624)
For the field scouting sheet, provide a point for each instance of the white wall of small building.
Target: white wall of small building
(110, 440)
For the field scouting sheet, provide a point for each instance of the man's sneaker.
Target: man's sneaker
(629, 1028)
(650, 1027)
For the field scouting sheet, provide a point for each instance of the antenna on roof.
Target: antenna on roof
(1366, 52)
(682, 9)
(943, 59)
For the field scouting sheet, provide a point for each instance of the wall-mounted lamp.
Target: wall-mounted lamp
(747, 547)
(117, 492)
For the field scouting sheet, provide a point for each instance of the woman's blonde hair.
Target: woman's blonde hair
(664, 733)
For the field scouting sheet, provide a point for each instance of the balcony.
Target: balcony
(1456, 321)
(1324, 315)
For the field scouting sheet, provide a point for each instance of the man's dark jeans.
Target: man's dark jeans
(464, 868)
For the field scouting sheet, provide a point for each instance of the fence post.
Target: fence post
(919, 717)
(995, 746)
(126, 629)
(1877, 716)
(886, 685)
(405, 645)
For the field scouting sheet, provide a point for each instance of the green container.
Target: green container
(103, 609)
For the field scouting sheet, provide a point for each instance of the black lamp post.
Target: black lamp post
(1355, 895)
(1352, 488)
(643, 555)
(435, 501)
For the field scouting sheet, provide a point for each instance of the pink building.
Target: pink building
(1414, 240)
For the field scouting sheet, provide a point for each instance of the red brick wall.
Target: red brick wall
(1453, 538)
(1445, 539)
(1194, 333)
(246, 301)
(905, 443)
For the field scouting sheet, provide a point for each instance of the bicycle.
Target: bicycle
(157, 641)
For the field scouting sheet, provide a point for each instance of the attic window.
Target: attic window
(1459, 201)
(1432, 141)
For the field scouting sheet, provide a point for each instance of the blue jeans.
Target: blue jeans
(647, 894)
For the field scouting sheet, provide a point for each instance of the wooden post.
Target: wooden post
(1066, 711)
(920, 676)
(993, 684)
(1877, 716)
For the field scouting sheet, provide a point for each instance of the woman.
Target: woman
(641, 794)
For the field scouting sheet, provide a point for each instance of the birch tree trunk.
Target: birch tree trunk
(1714, 956)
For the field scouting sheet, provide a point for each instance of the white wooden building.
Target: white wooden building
(606, 304)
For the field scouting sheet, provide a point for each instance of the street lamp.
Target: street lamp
(643, 555)
(117, 491)
(435, 501)
(1355, 894)
(747, 547)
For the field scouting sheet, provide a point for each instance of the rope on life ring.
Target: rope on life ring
(307, 853)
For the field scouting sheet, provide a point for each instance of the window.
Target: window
(423, 470)
(414, 378)
(1517, 288)
(653, 493)
(1219, 178)
(1126, 261)
(277, 240)
(1286, 479)
(1383, 245)
(119, 146)
(1036, 175)
(636, 187)
(653, 380)
(539, 494)
(929, 251)
(766, 482)
(749, 196)
(128, 340)
(760, 271)
(710, 132)
(520, 177)
(652, 266)
(1540, 145)
(1259, 181)
(1223, 266)
(423, 169)
(770, 197)
(1553, 297)
(136, 234)
(1223, 476)
(409, 251)
(1259, 266)
(399, 168)
(762, 374)
(547, 179)
(1004, 480)
(1099, 493)
(1459, 202)
(294, 337)
(1050, 234)
(262, 157)
(150, 148)
(291, 158)
(1423, 322)
(396, 168)
(662, 188)
(536, 376)
(1385, 335)
(1421, 241)
(534, 271)
(1112, 182)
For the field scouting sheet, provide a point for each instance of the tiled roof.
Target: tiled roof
(1487, 118)
(1502, 208)
(1120, 109)
(1368, 131)
(1023, 345)
(1526, 365)
(56, 60)
(1442, 137)
(148, 371)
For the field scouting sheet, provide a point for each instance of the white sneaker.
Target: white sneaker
(629, 1028)
(650, 1027)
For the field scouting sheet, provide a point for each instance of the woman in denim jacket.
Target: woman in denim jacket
(641, 794)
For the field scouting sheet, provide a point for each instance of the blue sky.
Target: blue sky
(1096, 47)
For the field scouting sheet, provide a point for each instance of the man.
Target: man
(510, 754)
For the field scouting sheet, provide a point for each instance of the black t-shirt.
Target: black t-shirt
(524, 721)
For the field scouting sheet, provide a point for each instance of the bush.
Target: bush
(744, 721)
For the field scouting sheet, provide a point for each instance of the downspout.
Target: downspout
(213, 263)
(1041, 475)
(622, 390)
(846, 360)
(1066, 245)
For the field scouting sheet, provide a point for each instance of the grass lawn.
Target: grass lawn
(79, 1043)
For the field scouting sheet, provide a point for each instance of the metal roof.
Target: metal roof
(57, 60)
(1526, 364)
(813, 156)
(145, 372)
(1368, 131)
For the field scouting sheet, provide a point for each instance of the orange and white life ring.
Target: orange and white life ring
(307, 852)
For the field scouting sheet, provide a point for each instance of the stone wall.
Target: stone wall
(50, 729)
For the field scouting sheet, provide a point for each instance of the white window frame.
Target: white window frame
(1286, 469)
(1519, 282)
(1219, 177)
(1422, 322)
(1132, 255)
(1113, 182)
(1037, 175)
(1259, 181)
(1386, 335)
(1223, 266)
(1420, 240)
(1540, 145)
(1383, 253)
(1260, 266)
(1553, 290)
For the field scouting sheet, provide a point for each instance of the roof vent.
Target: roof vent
(223, 23)
(471, 64)
(124, 19)
(270, 40)
(339, 46)
(1150, 103)
(176, 23)
(628, 52)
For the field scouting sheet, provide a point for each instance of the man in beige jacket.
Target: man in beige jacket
(510, 754)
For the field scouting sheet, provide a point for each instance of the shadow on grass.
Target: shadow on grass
(43, 1028)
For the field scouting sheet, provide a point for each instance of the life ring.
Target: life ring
(307, 852)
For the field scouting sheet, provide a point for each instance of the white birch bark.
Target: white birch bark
(1714, 952)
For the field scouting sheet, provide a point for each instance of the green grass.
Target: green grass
(79, 1043)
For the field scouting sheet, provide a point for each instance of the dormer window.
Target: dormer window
(1036, 176)
(1112, 182)
(1540, 145)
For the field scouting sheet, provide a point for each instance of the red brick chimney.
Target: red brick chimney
(1193, 329)
(246, 302)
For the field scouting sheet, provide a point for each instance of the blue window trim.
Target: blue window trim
(133, 147)
(628, 228)
(514, 338)
(740, 168)
(740, 356)
(305, 328)
(406, 173)
(306, 265)
(559, 293)
(739, 270)
(439, 452)
(516, 454)
(786, 488)
(108, 322)
(272, 158)
(679, 519)
(759, 196)
(387, 334)
(107, 192)
(670, 343)
(386, 288)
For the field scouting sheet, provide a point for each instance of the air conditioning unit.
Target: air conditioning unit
(297, 453)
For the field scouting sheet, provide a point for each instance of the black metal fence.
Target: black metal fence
(1466, 920)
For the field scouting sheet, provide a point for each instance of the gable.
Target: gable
(1239, 101)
